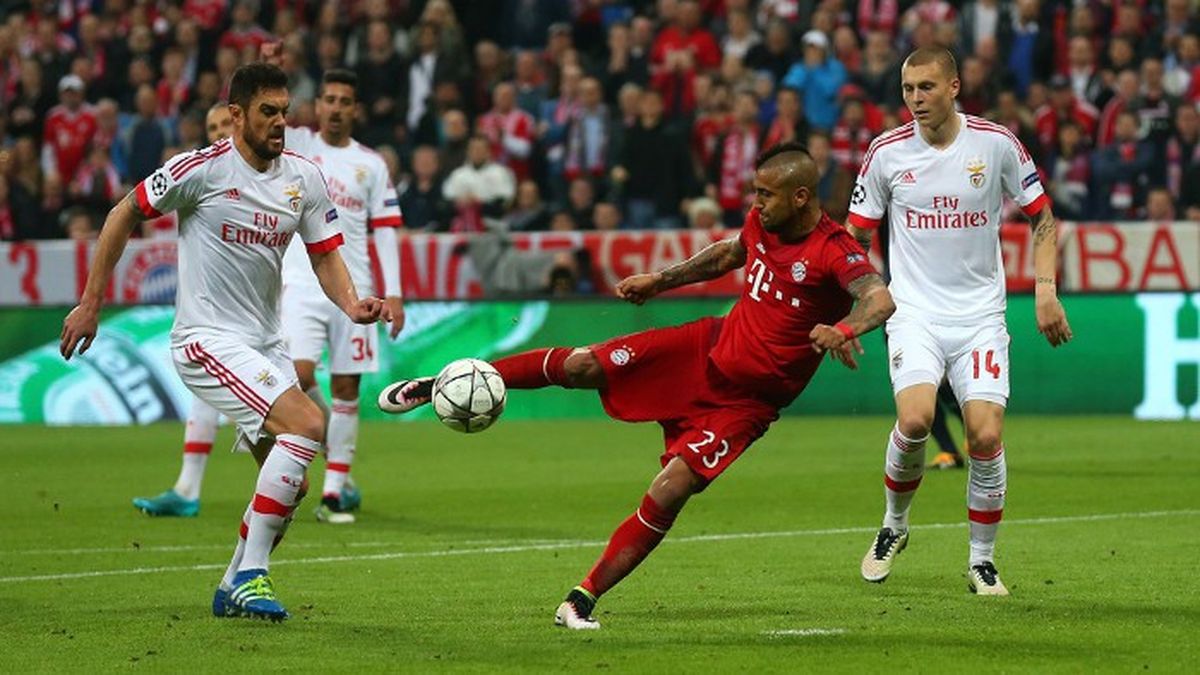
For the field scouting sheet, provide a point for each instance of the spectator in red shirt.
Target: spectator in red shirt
(789, 124)
(731, 169)
(1125, 92)
(1063, 105)
(245, 34)
(851, 135)
(510, 130)
(172, 90)
(680, 50)
(69, 128)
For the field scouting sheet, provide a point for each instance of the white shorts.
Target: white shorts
(973, 358)
(311, 321)
(239, 381)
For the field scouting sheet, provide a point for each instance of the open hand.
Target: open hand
(826, 338)
(1052, 321)
(79, 329)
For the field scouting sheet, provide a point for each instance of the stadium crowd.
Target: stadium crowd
(598, 114)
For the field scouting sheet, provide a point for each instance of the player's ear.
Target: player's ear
(800, 197)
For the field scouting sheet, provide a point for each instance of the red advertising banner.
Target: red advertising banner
(1094, 257)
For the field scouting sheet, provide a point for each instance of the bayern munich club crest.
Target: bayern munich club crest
(799, 270)
(621, 356)
(152, 276)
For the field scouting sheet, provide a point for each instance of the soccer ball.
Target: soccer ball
(468, 395)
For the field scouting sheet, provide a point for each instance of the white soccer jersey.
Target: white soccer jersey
(943, 208)
(358, 183)
(234, 224)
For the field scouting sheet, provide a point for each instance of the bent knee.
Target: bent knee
(914, 425)
(983, 443)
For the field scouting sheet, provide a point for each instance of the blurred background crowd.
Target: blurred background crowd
(598, 114)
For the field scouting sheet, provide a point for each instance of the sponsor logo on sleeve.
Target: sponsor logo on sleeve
(158, 184)
(1029, 180)
(391, 202)
(855, 258)
(860, 194)
(331, 215)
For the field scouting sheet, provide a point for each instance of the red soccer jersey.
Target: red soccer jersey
(67, 134)
(790, 288)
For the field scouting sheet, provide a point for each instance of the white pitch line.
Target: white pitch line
(553, 546)
(804, 632)
(208, 547)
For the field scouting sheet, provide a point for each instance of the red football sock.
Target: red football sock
(534, 369)
(629, 546)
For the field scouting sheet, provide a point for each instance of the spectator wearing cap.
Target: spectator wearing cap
(68, 130)
(774, 53)
(680, 50)
(510, 131)
(1121, 172)
(834, 182)
(1063, 105)
(819, 76)
(731, 169)
(654, 169)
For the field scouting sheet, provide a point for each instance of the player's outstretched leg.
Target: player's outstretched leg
(184, 498)
(902, 475)
(535, 369)
(629, 545)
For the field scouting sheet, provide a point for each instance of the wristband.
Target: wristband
(844, 330)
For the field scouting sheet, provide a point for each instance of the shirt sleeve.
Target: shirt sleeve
(319, 219)
(175, 185)
(846, 258)
(872, 191)
(1019, 177)
(383, 207)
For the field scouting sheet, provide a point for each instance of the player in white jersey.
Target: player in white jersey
(183, 499)
(941, 180)
(360, 187)
(240, 202)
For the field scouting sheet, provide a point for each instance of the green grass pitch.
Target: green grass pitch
(466, 544)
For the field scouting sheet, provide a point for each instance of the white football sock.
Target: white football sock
(342, 439)
(198, 438)
(279, 483)
(903, 469)
(986, 488)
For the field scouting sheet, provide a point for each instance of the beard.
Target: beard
(261, 147)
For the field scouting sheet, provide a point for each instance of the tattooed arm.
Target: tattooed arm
(872, 306)
(714, 261)
(1051, 318)
(862, 236)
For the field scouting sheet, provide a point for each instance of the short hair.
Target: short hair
(340, 76)
(939, 55)
(250, 79)
(779, 149)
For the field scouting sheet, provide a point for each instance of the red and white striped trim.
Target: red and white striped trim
(266, 505)
(143, 201)
(985, 517)
(387, 221)
(900, 486)
(296, 450)
(980, 124)
(905, 444)
(325, 245)
(200, 157)
(345, 408)
(1034, 207)
(197, 448)
(337, 467)
(895, 135)
(227, 378)
(988, 457)
(863, 222)
(647, 524)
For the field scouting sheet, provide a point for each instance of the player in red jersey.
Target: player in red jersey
(716, 384)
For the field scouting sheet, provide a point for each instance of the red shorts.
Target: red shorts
(664, 375)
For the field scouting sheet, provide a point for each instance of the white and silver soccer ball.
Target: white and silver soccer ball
(468, 395)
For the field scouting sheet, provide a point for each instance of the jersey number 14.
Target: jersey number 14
(989, 363)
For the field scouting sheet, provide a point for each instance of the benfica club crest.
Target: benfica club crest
(975, 168)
